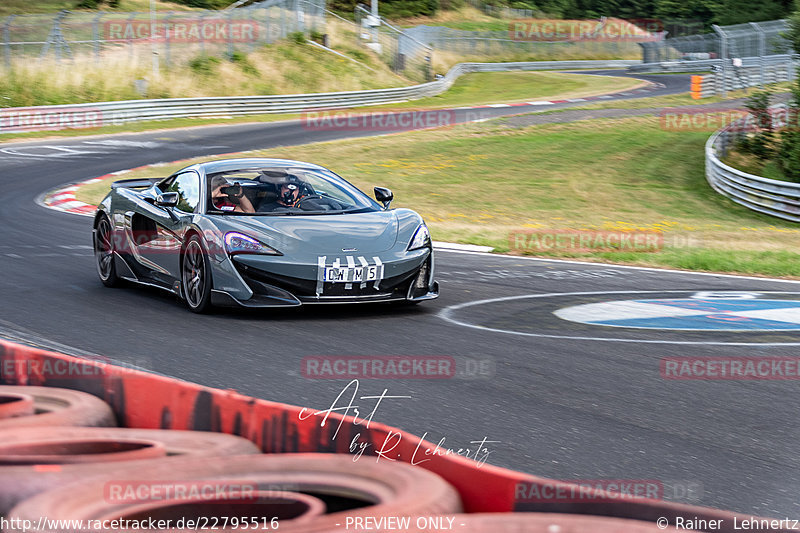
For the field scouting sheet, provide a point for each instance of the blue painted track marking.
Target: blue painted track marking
(690, 314)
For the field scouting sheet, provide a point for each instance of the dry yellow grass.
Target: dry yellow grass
(455, 15)
(284, 68)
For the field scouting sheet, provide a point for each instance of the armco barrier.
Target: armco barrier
(772, 197)
(18, 119)
(725, 77)
(719, 83)
(143, 400)
(690, 65)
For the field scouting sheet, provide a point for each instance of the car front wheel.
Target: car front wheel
(104, 252)
(196, 276)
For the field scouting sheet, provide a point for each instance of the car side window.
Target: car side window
(187, 185)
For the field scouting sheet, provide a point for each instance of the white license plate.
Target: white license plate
(351, 274)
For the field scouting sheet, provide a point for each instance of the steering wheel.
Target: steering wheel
(309, 197)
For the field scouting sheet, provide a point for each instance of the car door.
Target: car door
(161, 230)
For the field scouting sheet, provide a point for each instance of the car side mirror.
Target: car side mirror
(384, 196)
(168, 199)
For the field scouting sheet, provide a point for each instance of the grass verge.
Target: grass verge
(479, 183)
(495, 87)
(509, 87)
(282, 68)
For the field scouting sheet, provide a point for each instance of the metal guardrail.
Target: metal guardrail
(721, 82)
(772, 197)
(13, 120)
(687, 65)
(754, 71)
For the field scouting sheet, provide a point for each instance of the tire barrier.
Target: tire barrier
(13, 405)
(57, 407)
(73, 454)
(280, 505)
(144, 400)
(348, 488)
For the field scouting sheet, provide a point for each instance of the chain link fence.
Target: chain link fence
(399, 49)
(738, 56)
(754, 39)
(164, 34)
(540, 40)
(169, 37)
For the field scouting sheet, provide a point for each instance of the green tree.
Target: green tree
(740, 11)
(761, 141)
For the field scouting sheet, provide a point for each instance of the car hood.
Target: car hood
(360, 233)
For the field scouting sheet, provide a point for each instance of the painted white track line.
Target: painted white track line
(615, 265)
(447, 313)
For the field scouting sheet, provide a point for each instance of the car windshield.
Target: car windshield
(284, 191)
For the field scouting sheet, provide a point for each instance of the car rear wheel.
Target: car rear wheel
(196, 276)
(104, 253)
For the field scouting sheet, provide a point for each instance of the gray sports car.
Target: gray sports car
(262, 233)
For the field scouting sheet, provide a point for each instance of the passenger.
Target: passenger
(226, 201)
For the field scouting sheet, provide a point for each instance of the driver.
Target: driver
(229, 201)
(291, 192)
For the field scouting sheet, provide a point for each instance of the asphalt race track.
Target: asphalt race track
(562, 396)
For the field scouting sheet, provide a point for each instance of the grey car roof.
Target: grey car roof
(225, 165)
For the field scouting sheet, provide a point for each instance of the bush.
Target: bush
(758, 106)
(298, 37)
(204, 65)
(95, 4)
(788, 153)
(358, 55)
(244, 63)
(788, 156)
(761, 142)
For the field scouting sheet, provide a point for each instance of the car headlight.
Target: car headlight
(421, 238)
(239, 243)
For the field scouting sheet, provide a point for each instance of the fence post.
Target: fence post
(230, 33)
(7, 39)
(130, 39)
(200, 35)
(167, 43)
(268, 22)
(56, 38)
(96, 36)
(283, 7)
(762, 49)
(724, 57)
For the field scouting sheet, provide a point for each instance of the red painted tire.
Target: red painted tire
(281, 505)
(13, 405)
(59, 407)
(527, 523)
(362, 488)
(54, 470)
